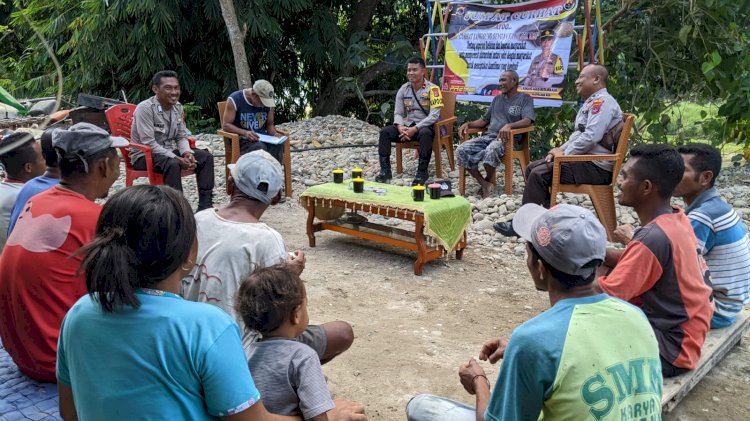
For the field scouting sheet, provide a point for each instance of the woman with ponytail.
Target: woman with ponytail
(132, 348)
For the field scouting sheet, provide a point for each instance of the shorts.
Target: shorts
(314, 337)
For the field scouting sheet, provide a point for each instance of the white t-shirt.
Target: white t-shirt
(8, 193)
(228, 252)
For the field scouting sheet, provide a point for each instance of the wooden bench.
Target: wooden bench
(718, 343)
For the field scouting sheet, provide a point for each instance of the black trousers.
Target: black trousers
(170, 169)
(668, 370)
(539, 178)
(276, 151)
(389, 134)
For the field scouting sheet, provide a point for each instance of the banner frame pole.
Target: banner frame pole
(590, 35)
(600, 34)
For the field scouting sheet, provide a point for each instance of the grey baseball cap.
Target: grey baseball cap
(254, 169)
(264, 90)
(85, 139)
(567, 237)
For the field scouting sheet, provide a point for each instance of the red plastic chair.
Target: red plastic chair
(120, 121)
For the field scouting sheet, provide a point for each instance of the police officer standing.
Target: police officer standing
(418, 104)
(599, 114)
(546, 69)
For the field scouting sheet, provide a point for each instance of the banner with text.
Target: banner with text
(532, 38)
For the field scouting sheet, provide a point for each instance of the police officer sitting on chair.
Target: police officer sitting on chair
(599, 114)
(418, 105)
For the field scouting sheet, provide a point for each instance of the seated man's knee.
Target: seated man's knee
(425, 133)
(461, 152)
(172, 164)
(389, 131)
(414, 406)
(339, 335)
(202, 155)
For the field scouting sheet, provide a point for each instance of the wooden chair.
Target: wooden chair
(120, 120)
(522, 155)
(443, 137)
(232, 150)
(602, 196)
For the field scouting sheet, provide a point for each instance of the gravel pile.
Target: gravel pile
(314, 166)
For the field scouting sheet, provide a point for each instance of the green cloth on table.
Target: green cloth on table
(445, 219)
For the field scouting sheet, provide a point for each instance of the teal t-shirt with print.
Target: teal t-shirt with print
(591, 358)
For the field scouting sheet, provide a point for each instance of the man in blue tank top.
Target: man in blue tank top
(249, 112)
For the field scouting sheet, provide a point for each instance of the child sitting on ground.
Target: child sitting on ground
(273, 302)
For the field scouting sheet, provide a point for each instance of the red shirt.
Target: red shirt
(38, 281)
(662, 272)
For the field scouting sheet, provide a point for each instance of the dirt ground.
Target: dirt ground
(412, 332)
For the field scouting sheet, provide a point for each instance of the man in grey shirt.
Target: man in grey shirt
(159, 123)
(418, 105)
(509, 110)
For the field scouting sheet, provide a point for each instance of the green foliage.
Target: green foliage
(196, 121)
(662, 53)
(299, 45)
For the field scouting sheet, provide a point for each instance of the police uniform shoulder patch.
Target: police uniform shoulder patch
(596, 106)
(558, 66)
(436, 97)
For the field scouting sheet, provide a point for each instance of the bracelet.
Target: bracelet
(485, 379)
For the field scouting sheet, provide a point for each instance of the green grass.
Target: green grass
(685, 127)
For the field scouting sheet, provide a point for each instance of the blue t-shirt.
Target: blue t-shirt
(31, 188)
(248, 116)
(170, 359)
(591, 358)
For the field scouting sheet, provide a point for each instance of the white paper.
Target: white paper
(271, 139)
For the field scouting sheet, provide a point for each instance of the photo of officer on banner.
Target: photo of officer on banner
(546, 69)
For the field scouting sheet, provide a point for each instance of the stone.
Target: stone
(627, 219)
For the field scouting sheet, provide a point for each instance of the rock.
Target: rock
(483, 225)
(627, 219)
(313, 167)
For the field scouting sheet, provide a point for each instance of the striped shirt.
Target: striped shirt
(723, 241)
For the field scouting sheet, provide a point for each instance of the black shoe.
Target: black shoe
(422, 172)
(384, 176)
(505, 228)
(420, 178)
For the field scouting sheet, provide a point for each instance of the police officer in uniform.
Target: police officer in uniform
(599, 114)
(546, 68)
(418, 105)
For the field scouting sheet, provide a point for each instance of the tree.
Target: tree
(310, 50)
(346, 57)
(661, 53)
(237, 40)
